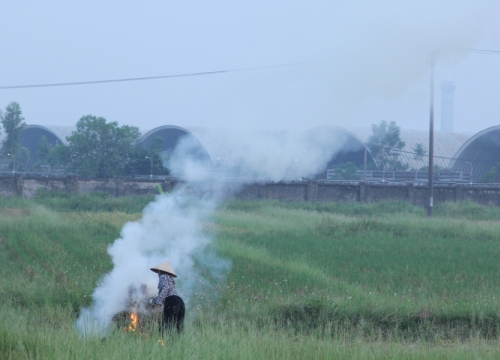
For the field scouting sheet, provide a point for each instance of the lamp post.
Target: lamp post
(147, 157)
(14, 169)
(470, 179)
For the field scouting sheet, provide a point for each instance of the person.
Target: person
(174, 309)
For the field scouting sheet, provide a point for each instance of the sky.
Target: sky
(297, 64)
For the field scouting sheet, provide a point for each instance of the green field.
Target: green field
(308, 280)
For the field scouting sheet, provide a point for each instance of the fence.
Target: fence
(406, 176)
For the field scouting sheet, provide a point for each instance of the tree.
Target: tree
(59, 156)
(138, 164)
(385, 144)
(22, 158)
(101, 149)
(418, 152)
(346, 171)
(12, 122)
(492, 175)
(43, 150)
(157, 144)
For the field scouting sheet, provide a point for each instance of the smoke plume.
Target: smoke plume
(171, 227)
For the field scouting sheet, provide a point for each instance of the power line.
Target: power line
(484, 51)
(203, 73)
(172, 76)
(473, 50)
(111, 80)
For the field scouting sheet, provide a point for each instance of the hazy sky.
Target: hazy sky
(366, 61)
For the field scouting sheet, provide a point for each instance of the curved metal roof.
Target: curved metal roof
(480, 153)
(58, 133)
(214, 144)
(31, 134)
(446, 144)
(347, 144)
(219, 147)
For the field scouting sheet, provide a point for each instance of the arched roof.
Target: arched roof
(56, 135)
(481, 152)
(446, 144)
(480, 149)
(30, 136)
(212, 144)
(347, 145)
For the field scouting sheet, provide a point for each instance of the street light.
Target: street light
(14, 170)
(147, 157)
(470, 171)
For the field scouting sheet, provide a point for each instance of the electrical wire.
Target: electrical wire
(204, 73)
(470, 50)
(484, 51)
(111, 80)
(172, 76)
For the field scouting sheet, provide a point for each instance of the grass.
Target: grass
(393, 270)
(309, 280)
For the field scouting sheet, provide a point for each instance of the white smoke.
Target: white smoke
(171, 228)
(255, 154)
(391, 52)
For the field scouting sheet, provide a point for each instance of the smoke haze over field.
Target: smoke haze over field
(170, 229)
(172, 226)
(364, 61)
(259, 154)
(344, 63)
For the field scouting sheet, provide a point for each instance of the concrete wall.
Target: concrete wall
(369, 192)
(28, 187)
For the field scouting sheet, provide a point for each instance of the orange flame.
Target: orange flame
(134, 319)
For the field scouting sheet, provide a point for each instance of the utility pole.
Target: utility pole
(364, 164)
(431, 143)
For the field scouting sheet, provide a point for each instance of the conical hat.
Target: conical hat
(165, 266)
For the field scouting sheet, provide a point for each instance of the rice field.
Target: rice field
(308, 280)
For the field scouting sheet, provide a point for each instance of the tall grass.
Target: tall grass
(220, 340)
(94, 202)
(308, 281)
(392, 271)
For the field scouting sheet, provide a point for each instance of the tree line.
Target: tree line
(104, 149)
(97, 148)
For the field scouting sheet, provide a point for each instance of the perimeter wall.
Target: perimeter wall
(28, 187)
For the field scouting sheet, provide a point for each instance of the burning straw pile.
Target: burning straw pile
(139, 314)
